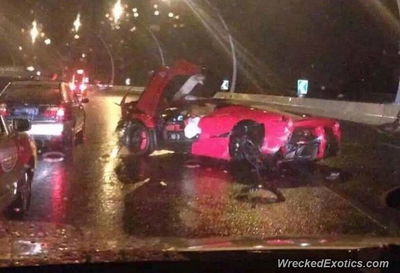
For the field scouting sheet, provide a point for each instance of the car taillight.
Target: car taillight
(55, 112)
(82, 87)
(50, 112)
(3, 110)
(72, 85)
(60, 114)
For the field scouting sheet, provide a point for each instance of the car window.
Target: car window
(31, 94)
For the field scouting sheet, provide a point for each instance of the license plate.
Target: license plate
(26, 112)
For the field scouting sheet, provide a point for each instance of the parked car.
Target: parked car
(173, 113)
(57, 116)
(17, 165)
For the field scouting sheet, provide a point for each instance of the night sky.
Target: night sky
(341, 46)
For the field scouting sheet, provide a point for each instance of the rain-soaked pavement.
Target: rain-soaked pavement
(108, 200)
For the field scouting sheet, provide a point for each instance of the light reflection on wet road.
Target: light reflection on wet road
(107, 196)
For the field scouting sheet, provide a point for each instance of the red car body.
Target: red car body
(282, 133)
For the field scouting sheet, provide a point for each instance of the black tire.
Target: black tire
(80, 137)
(245, 142)
(22, 202)
(68, 144)
(69, 140)
(138, 139)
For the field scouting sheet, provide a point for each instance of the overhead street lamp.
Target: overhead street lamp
(117, 11)
(34, 32)
(112, 62)
(77, 23)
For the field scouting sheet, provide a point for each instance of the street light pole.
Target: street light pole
(234, 58)
(111, 59)
(232, 45)
(162, 57)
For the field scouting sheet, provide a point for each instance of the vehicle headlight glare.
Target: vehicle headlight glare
(192, 128)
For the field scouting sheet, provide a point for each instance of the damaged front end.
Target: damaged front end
(310, 144)
(302, 145)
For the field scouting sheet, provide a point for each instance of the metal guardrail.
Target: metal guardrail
(120, 88)
(361, 112)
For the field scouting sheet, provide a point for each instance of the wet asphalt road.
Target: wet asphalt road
(172, 195)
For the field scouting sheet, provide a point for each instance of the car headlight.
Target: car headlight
(192, 128)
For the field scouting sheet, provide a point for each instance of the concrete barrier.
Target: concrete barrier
(361, 112)
(119, 88)
(367, 113)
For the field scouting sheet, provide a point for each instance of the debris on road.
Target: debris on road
(161, 152)
(333, 176)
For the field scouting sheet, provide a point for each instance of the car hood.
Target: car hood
(27, 244)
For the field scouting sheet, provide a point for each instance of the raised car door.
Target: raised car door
(8, 163)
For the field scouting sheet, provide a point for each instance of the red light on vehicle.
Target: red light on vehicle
(55, 112)
(3, 110)
(50, 112)
(60, 113)
(80, 71)
(82, 87)
(72, 85)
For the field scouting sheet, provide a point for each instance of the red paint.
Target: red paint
(150, 100)
(215, 127)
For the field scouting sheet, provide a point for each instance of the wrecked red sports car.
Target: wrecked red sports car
(174, 113)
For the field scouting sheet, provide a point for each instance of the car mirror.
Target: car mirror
(21, 125)
(85, 100)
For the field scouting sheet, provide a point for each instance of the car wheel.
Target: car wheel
(80, 137)
(138, 139)
(68, 143)
(24, 191)
(245, 143)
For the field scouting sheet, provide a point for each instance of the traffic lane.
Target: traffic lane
(170, 195)
(161, 172)
(76, 190)
(373, 166)
(173, 196)
(370, 161)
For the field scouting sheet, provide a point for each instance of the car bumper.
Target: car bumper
(307, 151)
(49, 135)
(46, 130)
(326, 144)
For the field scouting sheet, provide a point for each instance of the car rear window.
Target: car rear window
(32, 95)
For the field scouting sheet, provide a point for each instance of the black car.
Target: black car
(17, 164)
(57, 116)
